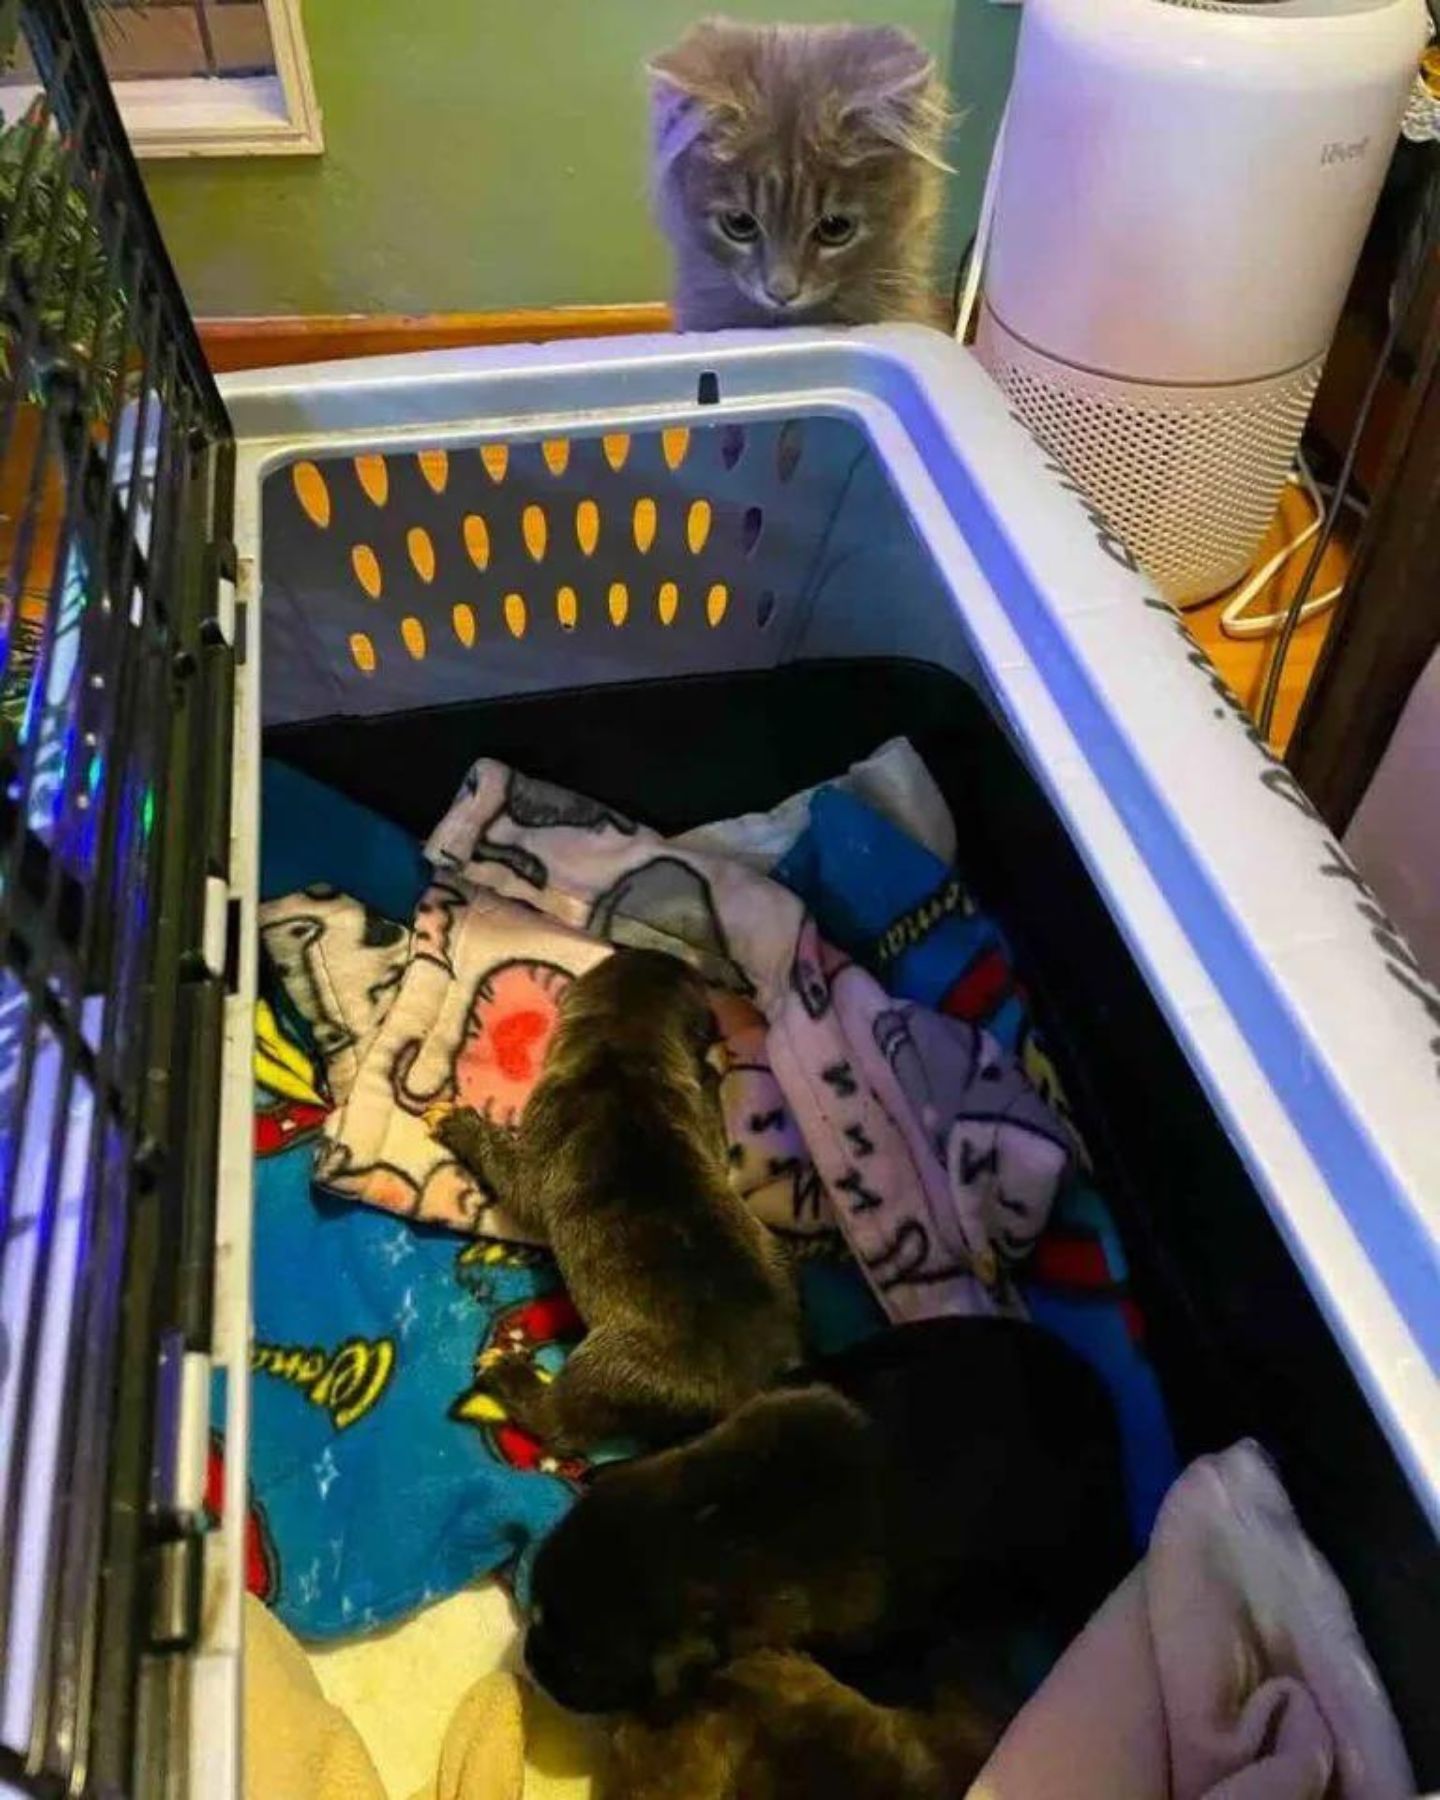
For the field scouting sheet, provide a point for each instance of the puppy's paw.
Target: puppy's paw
(447, 1120)
(514, 1383)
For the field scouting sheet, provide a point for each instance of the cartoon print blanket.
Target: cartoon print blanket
(902, 907)
(940, 1160)
(379, 1477)
(460, 1008)
(370, 1493)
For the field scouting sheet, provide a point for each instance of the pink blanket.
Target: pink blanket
(1227, 1666)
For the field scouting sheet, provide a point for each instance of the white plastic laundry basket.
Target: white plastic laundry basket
(437, 532)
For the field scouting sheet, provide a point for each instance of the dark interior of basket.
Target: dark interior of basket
(689, 625)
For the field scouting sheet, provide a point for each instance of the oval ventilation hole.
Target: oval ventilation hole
(751, 526)
(515, 618)
(412, 633)
(697, 526)
(618, 601)
(535, 531)
(788, 448)
(616, 445)
(366, 565)
(556, 452)
(644, 523)
(374, 478)
(477, 541)
(587, 526)
(422, 553)
(496, 458)
(567, 608)
(716, 602)
(462, 617)
(667, 602)
(435, 467)
(765, 609)
(675, 445)
(312, 493)
(363, 652)
(732, 444)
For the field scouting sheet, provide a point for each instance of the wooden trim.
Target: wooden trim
(276, 342)
(1389, 620)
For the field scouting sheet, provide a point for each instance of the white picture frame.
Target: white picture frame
(253, 115)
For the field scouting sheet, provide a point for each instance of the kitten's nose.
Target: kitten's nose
(782, 287)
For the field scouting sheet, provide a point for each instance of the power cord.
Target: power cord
(961, 267)
(1237, 621)
(980, 243)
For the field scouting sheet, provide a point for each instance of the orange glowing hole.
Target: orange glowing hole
(422, 552)
(374, 477)
(312, 493)
(366, 565)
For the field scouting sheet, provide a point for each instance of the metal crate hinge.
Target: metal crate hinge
(179, 1461)
(182, 1434)
(176, 1570)
(220, 628)
(214, 939)
(221, 927)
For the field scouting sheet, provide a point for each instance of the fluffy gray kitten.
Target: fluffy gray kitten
(798, 173)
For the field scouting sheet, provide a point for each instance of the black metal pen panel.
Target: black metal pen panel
(116, 677)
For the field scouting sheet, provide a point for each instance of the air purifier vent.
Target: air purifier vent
(1188, 476)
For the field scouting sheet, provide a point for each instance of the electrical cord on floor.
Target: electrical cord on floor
(1237, 621)
(1265, 714)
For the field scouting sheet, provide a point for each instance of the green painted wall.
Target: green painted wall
(491, 153)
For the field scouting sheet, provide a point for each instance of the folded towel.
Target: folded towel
(1227, 1666)
(296, 1743)
(298, 1746)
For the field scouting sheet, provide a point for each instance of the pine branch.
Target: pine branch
(67, 296)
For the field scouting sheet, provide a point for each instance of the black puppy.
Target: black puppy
(961, 1473)
(621, 1163)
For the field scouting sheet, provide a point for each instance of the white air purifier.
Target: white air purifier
(1177, 206)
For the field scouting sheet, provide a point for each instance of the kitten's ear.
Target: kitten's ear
(895, 93)
(693, 86)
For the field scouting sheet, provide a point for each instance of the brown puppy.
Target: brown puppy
(942, 1479)
(776, 1726)
(620, 1163)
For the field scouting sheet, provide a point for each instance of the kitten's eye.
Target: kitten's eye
(834, 229)
(740, 227)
